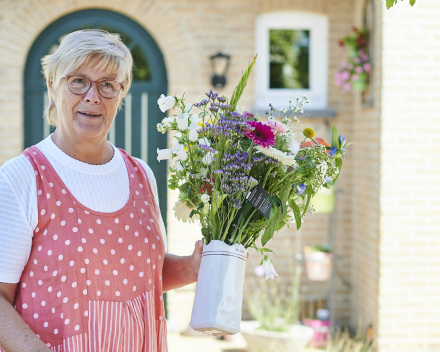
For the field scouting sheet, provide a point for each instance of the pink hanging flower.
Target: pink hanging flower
(276, 127)
(367, 67)
(261, 134)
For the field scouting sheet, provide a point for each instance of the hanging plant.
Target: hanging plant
(354, 72)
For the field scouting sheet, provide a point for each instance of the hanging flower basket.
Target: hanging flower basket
(319, 264)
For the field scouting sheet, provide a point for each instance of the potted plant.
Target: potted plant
(321, 325)
(276, 326)
(319, 262)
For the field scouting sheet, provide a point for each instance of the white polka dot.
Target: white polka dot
(52, 216)
(55, 273)
(43, 212)
(139, 253)
(23, 285)
(50, 184)
(109, 232)
(48, 195)
(63, 278)
(35, 315)
(33, 293)
(95, 250)
(120, 240)
(63, 223)
(45, 232)
(154, 266)
(146, 240)
(67, 321)
(72, 263)
(75, 229)
(43, 167)
(98, 293)
(61, 315)
(148, 228)
(131, 267)
(77, 328)
(130, 247)
(24, 305)
(134, 288)
(131, 215)
(46, 268)
(60, 257)
(98, 221)
(115, 272)
(113, 251)
(142, 210)
(117, 220)
(137, 193)
(31, 274)
(70, 210)
(55, 331)
(149, 281)
(140, 222)
(58, 203)
(107, 282)
(39, 191)
(80, 249)
(55, 237)
(131, 175)
(83, 240)
(85, 291)
(86, 313)
(127, 227)
(83, 270)
(102, 241)
(40, 282)
(49, 288)
(122, 260)
(125, 281)
(141, 185)
(97, 272)
(75, 306)
(87, 261)
(152, 221)
(105, 261)
(160, 298)
(63, 191)
(67, 242)
(40, 248)
(136, 233)
(43, 303)
(88, 282)
(141, 274)
(118, 293)
(53, 310)
(160, 257)
(90, 230)
(46, 324)
(153, 246)
(146, 203)
(135, 169)
(37, 229)
(79, 221)
(160, 318)
(148, 260)
(85, 211)
(74, 284)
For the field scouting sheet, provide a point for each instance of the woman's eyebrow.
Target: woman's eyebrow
(110, 78)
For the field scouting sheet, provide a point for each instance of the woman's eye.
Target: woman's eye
(78, 80)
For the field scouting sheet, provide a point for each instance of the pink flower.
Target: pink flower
(358, 69)
(276, 127)
(356, 60)
(247, 115)
(367, 67)
(345, 76)
(347, 87)
(354, 78)
(261, 134)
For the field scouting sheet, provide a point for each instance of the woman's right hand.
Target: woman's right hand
(15, 334)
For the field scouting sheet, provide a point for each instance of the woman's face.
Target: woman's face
(73, 110)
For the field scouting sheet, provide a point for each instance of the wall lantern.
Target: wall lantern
(220, 65)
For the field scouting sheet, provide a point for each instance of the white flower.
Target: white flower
(270, 117)
(294, 147)
(182, 121)
(163, 154)
(188, 107)
(285, 159)
(208, 158)
(175, 141)
(176, 147)
(283, 110)
(259, 270)
(182, 155)
(166, 103)
(195, 121)
(182, 211)
(205, 198)
(167, 121)
(193, 135)
(179, 166)
(204, 141)
(269, 269)
(203, 172)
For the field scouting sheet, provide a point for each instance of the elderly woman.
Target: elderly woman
(82, 242)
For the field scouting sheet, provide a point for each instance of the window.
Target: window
(292, 59)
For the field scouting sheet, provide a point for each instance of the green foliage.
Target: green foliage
(238, 91)
(342, 342)
(391, 3)
(318, 248)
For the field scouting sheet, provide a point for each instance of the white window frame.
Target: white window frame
(317, 24)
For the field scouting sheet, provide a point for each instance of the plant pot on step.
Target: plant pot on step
(219, 293)
(294, 340)
(319, 265)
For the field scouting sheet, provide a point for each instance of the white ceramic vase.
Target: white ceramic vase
(219, 293)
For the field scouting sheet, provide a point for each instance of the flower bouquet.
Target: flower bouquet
(243, 179)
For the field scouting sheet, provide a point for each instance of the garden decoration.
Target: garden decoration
(354, 73)
(319, 262)
(242, 179)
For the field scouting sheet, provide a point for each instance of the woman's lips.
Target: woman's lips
(90, 116)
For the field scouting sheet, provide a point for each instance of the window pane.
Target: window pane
(141, 69)
(289, 58)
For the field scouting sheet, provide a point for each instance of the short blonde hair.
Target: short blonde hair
(88, 46)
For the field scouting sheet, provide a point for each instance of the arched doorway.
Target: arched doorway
(134, 128)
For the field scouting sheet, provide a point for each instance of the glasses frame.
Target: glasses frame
(97, 85)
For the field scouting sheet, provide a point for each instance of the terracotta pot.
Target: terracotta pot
(219, 293)
(294, 340)
(319, 265)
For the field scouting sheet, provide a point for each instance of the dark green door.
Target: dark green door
(134, 128)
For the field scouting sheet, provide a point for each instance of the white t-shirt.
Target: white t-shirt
(88, 183)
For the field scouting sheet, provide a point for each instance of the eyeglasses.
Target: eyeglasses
(80, 85)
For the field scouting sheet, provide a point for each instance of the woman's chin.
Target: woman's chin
(89, 130)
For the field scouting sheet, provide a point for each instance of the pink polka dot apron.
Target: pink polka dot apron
(93, 280)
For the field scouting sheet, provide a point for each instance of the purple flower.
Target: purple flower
(333, 151)
(301, 188)
(248, 115)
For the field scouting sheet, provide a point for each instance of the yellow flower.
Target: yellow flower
(309, 132)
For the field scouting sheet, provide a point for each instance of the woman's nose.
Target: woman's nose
(92, 95)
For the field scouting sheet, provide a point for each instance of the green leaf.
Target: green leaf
(238, 91)
(412, 2)
(390, 3)
(216, 202)
(309, 197)
(296, 213)
(266, 250)
(338, 162)
(335, 137)
(205, 232)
